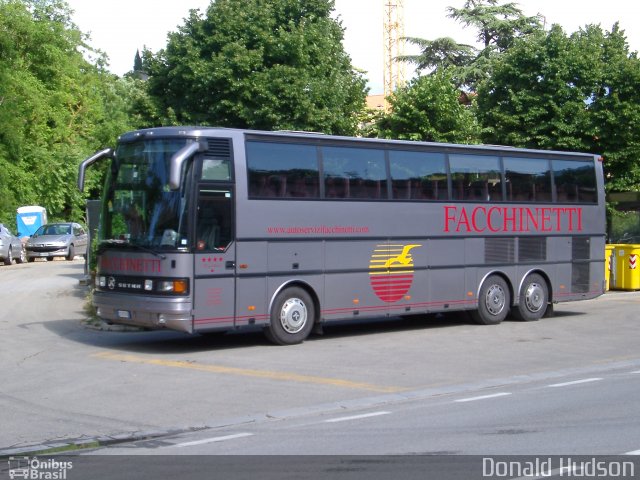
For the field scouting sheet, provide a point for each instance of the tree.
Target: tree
(498, 27)
(429, 109)
(265, 64)
(443, 52)
(137, 62)
(55, 108)
(578, 92)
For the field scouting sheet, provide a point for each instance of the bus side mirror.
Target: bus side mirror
(179, 158)
(106, 153)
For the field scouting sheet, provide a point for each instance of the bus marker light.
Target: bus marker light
(407, 297)
(469, 294)
(244, 265)
(251, 308)
(180, 286)
(356, 301)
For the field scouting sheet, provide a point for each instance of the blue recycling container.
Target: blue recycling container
(29, 219)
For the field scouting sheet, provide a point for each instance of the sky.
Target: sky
(120, 27)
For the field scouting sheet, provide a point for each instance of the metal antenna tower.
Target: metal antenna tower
(393, 33)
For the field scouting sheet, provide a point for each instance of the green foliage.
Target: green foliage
(262, 64)
(429, 109)
(498, 27)
(55, 108)
(577, 92)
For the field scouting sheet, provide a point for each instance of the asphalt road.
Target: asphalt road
(384, 387)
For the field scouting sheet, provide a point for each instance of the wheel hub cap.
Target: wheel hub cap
(293, 315)
(534, 297)
(495, 300)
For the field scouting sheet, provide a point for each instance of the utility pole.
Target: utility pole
(393, 34)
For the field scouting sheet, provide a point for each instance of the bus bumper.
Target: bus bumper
(145, 312)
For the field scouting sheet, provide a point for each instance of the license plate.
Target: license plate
(44, 254)
(124, 314)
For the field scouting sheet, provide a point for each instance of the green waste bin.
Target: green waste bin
(626, 267)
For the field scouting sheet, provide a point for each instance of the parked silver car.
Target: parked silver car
(10, 247)
(57, 240)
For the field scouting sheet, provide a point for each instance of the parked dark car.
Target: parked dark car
(57, 240)
(10, 247)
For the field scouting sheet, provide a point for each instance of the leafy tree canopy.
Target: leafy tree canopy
(429, 109)
(55, 108)
(265, 64)
(498, 26)
(577, 92)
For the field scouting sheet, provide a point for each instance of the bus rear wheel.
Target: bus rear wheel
(493, 302)
(533, 299)
(292, 317)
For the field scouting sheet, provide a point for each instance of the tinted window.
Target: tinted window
(475, 177)
(354, 173)
(282, 170)
(527, 179)
(216, 169)
(418, 175)
(575, 181)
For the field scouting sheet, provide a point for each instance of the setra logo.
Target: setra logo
(391, 271)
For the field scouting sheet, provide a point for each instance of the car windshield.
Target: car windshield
(141, 208)
(54, 230)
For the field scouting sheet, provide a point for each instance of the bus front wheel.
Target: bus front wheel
(533, 299)
(493, 301)
(292, 317)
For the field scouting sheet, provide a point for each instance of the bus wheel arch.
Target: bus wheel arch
(294, 310)
(534, 297)
(494, 299)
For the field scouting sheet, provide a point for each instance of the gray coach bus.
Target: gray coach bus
(208, 229)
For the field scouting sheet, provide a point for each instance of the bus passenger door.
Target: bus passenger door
(215, 257)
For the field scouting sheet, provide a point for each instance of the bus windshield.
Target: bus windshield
(141, 210)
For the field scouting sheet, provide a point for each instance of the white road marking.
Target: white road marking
(575, 382)
(213, 440)
(637, 371)
(356, 417)
(635, 452)
(483, 397)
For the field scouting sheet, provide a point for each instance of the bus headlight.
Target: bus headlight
(172, 286)
(101, 281)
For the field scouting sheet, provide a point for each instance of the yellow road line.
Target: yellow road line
(245, 372)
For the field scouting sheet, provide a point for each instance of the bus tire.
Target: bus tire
(533, 299)
(292, 317)
(493, 301)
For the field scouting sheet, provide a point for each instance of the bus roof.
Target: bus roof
(210, 132)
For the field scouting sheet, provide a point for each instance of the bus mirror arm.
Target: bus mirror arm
(178, 159)
(107, 152)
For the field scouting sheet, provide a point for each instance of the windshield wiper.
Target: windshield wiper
(126, 244)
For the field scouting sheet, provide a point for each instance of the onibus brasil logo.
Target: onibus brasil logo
(391, 271)
(38, 469)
